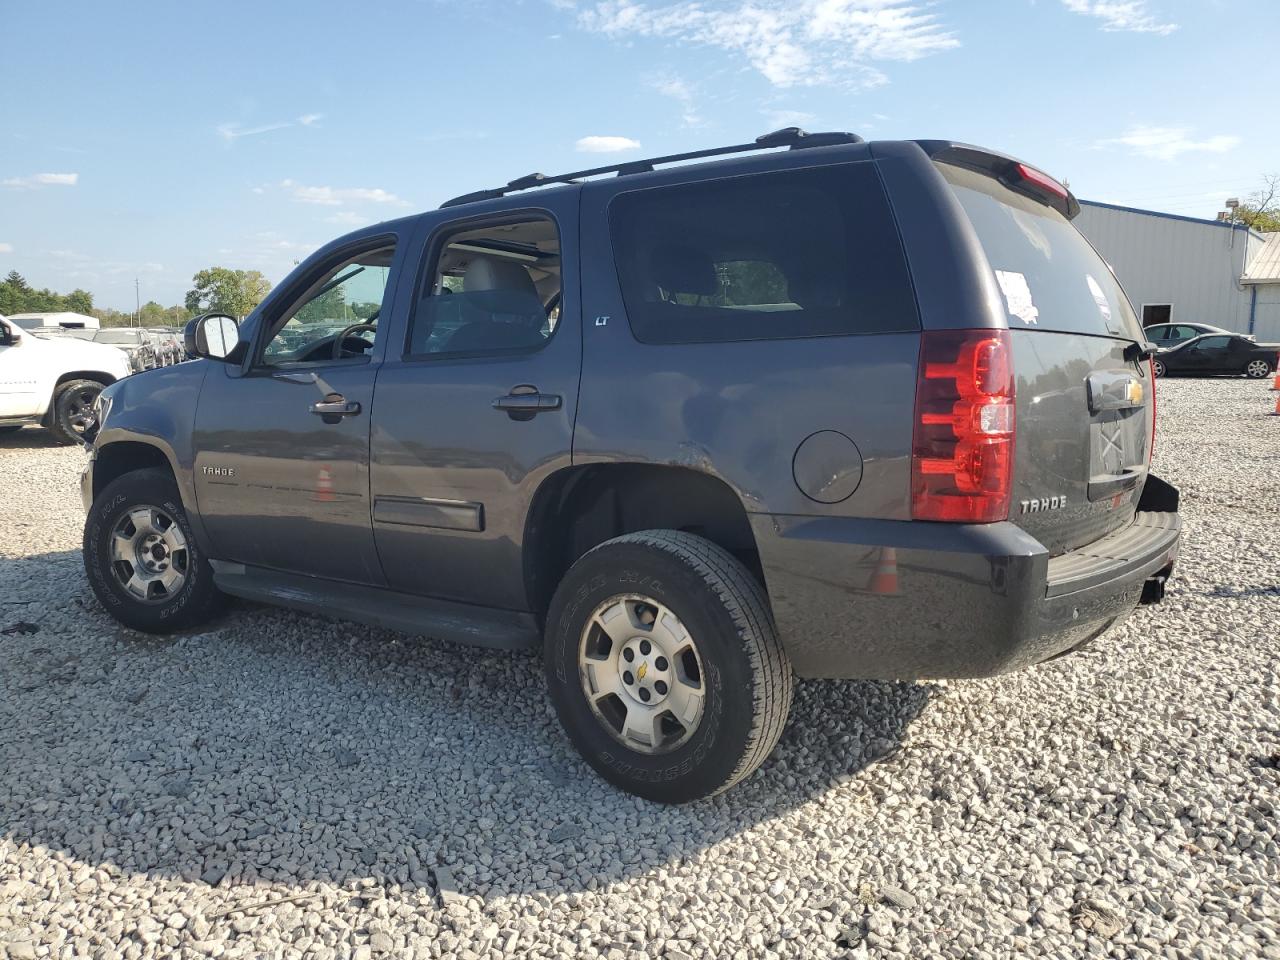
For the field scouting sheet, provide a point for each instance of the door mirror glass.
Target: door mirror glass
(9, 335)
(212, 335)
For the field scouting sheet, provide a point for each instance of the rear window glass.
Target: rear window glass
(1051, 278)
(803, 253)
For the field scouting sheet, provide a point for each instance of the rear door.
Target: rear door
(1084, 398)
(1208, 355)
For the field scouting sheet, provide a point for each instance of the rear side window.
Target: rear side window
(802, 253)
(1051, 278)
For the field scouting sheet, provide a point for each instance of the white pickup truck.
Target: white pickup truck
(53, 381)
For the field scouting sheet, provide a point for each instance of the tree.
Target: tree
(220, 290)
(80, 301)
(1262, 210)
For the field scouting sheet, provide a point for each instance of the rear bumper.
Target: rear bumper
(911, 600)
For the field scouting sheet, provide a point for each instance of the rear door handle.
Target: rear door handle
(335, 408)
(523, 403)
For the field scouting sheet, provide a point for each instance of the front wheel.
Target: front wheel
(665, 667)
(142, 559)
(72, 411)
(1257, 369)
(1157, 367)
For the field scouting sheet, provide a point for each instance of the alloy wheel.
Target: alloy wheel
(642, 674)
(149, 555)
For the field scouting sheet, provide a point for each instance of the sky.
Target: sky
(152, 140)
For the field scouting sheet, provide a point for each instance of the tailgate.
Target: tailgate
(1084, 397)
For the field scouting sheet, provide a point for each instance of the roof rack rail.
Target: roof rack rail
(792, 137)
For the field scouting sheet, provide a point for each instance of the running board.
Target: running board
(378, 607)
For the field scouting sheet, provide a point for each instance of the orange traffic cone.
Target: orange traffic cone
(1276, 385)
(885, 579)
(1276, 411)
(324, 486)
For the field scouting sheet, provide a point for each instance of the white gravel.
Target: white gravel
(285, 786)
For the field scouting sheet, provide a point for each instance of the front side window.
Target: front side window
(337, 317)
(490, 289)
(797, 253)
(1213, 343)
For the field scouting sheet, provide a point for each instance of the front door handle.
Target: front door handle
(333, 407)
(525, 402)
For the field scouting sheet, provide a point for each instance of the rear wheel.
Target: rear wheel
(1257, 369)
(1158, 367)
(72, 411)
(665, 667)
(141, 557)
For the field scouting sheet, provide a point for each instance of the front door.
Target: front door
(18, 380)
(477, 406)
(1208, 355)
(282, 442)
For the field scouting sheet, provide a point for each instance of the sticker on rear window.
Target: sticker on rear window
(1017, 295)
(1100, 299)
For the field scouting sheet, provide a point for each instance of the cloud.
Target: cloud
(777, 119)
(678, 89)
(231, 132)
(1168, 143)
(37, 180)
(606, 144)
(6, 248)
(790, 42)
(1130, 16)
(348, 218)
(337, 196)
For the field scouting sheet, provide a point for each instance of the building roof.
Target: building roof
(59, 316)
(1265, 265)
(1170, 216)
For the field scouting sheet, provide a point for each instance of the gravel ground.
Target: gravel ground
(285, 786)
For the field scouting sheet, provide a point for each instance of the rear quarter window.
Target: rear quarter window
(1050, 276)
(798, 253)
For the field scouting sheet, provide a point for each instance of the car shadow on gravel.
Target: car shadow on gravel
(285, 748)
(29, 438)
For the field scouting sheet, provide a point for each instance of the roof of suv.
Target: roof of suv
(1019, 175)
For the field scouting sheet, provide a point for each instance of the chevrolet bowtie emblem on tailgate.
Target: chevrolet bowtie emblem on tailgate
(1133, 392)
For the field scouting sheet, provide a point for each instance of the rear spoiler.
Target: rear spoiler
(1012, 172)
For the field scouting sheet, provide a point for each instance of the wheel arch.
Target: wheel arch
(114, 460)
(579, 507)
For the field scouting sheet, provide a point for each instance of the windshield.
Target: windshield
(1052, 279)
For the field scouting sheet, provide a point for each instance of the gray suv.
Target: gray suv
(814, 408)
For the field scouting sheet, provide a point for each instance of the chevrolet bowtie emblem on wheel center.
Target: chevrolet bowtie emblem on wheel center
(644, 668)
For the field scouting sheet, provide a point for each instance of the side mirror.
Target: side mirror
(9, 336)
(211, 335)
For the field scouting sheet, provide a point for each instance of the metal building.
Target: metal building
(1177, 268)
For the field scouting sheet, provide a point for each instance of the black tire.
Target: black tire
(747, 677)
(1257, 369)
(72, 404)
(193, 603)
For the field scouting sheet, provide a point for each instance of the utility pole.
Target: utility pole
(137, 303)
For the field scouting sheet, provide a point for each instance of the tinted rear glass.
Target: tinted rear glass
(1050, 276)
(798, 253)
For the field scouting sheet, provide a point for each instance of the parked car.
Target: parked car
(1219, 354)
(165, 342)
(1172, 334)
(695, 430)
(52, 381)
(135, 342)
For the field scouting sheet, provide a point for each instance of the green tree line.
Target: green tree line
(216, 290)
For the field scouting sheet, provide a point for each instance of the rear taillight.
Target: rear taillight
(1151, 444)
(962, 456)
